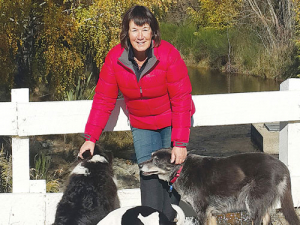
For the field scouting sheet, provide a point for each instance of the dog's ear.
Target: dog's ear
(109, 156)
(85, 155)
(98, 150)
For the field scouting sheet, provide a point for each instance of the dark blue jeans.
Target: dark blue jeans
(154, 192)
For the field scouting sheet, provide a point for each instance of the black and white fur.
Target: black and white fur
(91, 192)
(141, 215)
(254, 182)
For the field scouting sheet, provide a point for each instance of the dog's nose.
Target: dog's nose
(140, 166)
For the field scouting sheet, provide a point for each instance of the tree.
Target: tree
(272, 19)
(270, 27)
(55, 43)
(216, 13)
(219, 15)
(296, 10)
(15, 23)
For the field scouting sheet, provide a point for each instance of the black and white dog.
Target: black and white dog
(91, 192)
(141, 215)
(254, 182)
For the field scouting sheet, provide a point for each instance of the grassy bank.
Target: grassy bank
(233, 50)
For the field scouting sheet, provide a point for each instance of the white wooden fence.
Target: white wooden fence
(29, 204)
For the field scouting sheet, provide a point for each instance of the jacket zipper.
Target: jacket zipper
(141, 91)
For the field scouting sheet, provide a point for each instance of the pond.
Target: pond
(206, 81)
(230, 139)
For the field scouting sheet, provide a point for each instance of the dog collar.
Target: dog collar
(176, 176)
(174, 179)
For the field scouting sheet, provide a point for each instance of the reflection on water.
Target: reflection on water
(214, 82)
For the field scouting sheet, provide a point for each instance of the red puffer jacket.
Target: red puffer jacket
(160, 98)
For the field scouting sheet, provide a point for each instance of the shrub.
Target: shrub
(5, 171)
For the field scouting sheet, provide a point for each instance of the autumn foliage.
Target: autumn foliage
(55, 43)
(216, 13)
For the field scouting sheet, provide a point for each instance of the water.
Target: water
(215, 82)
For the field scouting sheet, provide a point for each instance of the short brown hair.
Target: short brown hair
(140, 15)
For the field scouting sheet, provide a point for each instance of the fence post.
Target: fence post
(20, 149)
(289, 143)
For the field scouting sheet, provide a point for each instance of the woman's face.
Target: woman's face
(140, 37)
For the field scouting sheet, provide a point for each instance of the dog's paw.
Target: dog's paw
(180, 217)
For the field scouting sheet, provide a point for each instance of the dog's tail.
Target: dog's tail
(287, 205)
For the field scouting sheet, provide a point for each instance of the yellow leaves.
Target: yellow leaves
(69, 37)
(297, 11)
(62, 64)
(100, 27)
(216, 13)
(100, 24)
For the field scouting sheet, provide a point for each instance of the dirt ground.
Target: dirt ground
(221, 140)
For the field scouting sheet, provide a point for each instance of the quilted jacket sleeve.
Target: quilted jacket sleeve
(104, 101)
(179, 88)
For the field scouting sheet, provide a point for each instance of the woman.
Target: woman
(154, 81)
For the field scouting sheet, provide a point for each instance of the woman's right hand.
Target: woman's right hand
(87, 146)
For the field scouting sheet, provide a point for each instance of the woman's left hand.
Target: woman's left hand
(178, 155)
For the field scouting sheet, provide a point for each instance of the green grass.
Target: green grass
(209, 47)
(81, 91)
(41, 167)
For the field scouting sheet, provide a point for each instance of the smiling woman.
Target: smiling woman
(154, 81)
(140, 38)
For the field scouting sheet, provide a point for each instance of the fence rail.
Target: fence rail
(21, 119)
